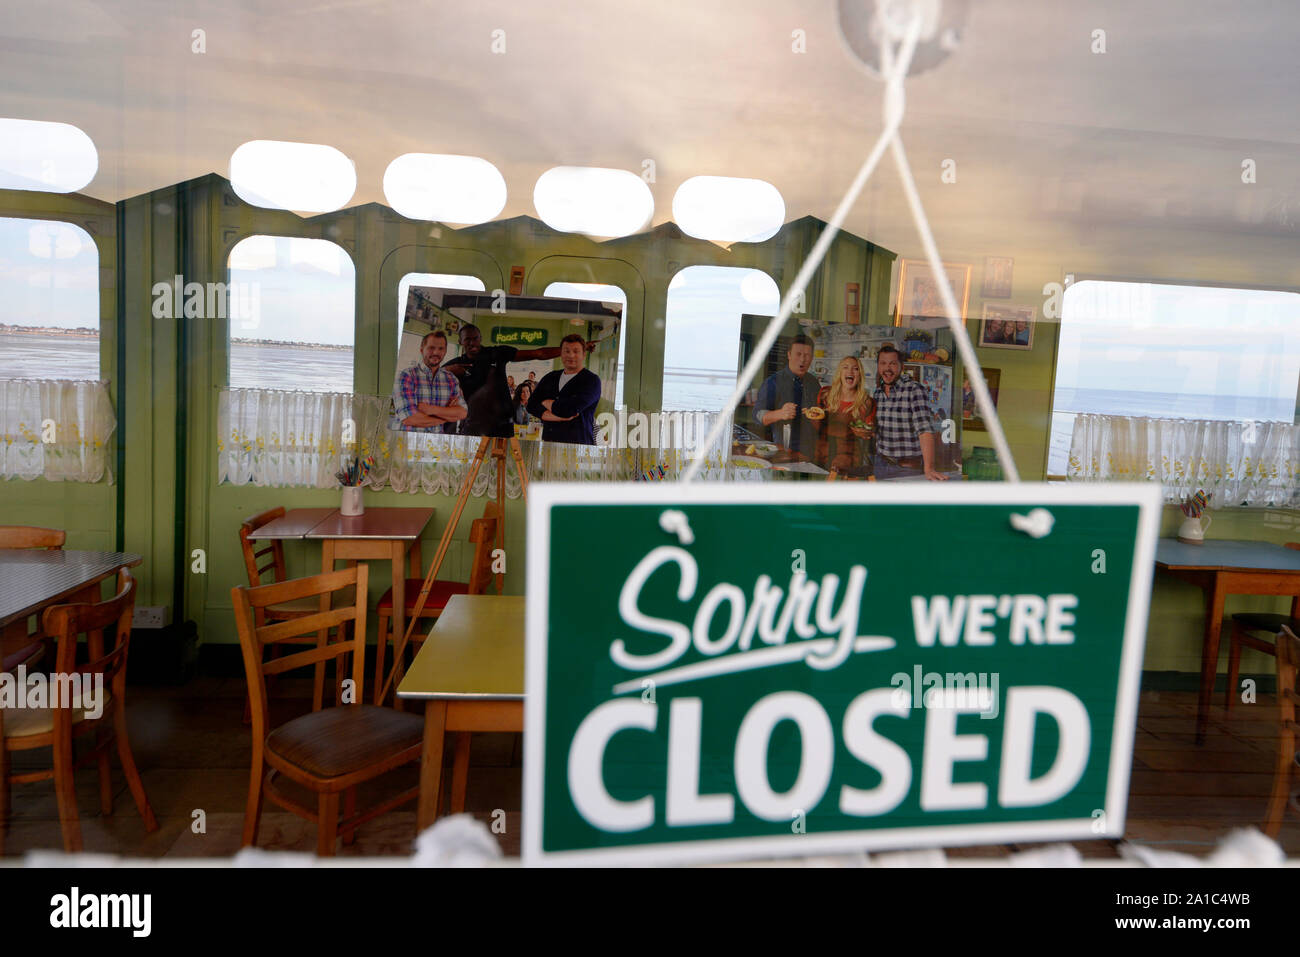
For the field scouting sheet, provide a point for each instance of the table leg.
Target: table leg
(435, 725)
(399, 588)
(326, 565)
(1214, 596)
(460, 773)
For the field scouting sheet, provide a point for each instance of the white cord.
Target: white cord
(773, 330)
(894, 70)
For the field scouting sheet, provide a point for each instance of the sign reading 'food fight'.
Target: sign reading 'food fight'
(833, 668)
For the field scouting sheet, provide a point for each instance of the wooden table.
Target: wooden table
(470, 672)
(33, 579)
(1221, 568)
(377, 533)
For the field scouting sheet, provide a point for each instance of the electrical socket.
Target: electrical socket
(151, 616)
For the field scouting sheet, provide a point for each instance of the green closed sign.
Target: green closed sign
(801, 670)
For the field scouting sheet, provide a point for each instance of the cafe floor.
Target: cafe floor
(193, 752)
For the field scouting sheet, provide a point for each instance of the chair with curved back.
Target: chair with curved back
(329, 751)
(55, 725)
(258, 562)
(1248, 629)
(30, 536)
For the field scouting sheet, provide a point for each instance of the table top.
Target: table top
(295, 523)
(1227, 555)
(387, 523)
(475, 651)
(390, 523)
(31, 578)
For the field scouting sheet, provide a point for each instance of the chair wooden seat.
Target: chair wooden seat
(1268, 625)
(439, 594)
(336, 742)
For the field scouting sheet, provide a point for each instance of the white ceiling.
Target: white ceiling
(1057, 149)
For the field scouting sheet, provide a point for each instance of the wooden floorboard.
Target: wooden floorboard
(193, 753)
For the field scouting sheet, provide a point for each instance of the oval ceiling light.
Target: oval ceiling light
(725, 209)
(45, 157)
(445, 189)
(593, 201)
(303, 177)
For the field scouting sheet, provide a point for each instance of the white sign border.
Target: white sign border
(1024, 495)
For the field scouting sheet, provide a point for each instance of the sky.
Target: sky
(1191, 340)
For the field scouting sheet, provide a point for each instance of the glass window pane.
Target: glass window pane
(1173, 351)
(49, 301)
(702, 335)
(291, 306)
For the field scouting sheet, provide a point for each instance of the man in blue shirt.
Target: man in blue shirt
(565, 400)
(783, 397)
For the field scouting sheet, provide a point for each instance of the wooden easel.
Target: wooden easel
(498, 446)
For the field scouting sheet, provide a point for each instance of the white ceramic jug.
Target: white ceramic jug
(352, 501)
(1192, 531)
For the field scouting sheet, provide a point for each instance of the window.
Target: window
(408, 345)
(594, 292)
(702, 333)
(291, 304)
(49, 301)
(1173, 351)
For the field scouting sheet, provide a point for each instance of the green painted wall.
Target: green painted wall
(165, 502)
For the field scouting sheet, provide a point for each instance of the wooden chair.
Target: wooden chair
(329, 751)
(483, 533)
(258, 562)
(1288, 658)
(55, 726)
(29, 536)
(1247, 629)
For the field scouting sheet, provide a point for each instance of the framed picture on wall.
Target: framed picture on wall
(1007, 327)
(997, 278)
(919, 302)
(970, 413)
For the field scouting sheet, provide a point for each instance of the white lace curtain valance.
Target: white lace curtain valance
(56, 429)
(297, 439)
(1236, 463)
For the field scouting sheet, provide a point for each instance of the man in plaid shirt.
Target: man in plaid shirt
(905, 430)
(427, 398)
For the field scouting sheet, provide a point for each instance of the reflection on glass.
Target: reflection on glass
(291, 304)
(49, 301)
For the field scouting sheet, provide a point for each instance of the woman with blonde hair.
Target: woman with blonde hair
(850, 413)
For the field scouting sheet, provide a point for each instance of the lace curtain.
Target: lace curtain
(1236, 463)
(282, 439)
(56, 429)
